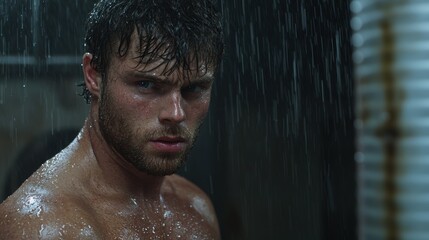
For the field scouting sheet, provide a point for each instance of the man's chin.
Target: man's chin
(160, 172)
(161, 166)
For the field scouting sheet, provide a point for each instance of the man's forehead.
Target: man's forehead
(164, 67)
(161, 53)
(169, 67)
(154, 61)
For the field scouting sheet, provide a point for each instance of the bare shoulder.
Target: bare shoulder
(184, 187)
(188, 193)
(37, 212)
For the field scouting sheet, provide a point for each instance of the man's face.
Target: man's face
(150, 119)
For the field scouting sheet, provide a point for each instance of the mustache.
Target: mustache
(177, 131)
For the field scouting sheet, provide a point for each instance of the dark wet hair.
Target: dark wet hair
(186, 32)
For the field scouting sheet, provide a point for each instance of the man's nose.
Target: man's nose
(172, 111)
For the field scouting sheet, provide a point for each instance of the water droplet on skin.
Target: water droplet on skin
(200, 205)
(128, 234)
(87, 231)
(178, 225)
(48, 232)
(167, 214)
(32, 206)
(80, 135)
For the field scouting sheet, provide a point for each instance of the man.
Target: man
(148, 76)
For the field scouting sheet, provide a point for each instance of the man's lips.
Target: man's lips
(169, 144)
(169, 139)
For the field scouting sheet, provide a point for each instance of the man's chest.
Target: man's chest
(156, 223)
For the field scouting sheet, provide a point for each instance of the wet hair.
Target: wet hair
(187, 33)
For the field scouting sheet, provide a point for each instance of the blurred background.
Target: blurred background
(276, 151)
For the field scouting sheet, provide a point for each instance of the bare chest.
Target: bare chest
(152, 222)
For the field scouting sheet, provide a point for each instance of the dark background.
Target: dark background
(276, 152)
(284, 100)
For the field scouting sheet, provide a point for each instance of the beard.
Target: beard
(131, 142)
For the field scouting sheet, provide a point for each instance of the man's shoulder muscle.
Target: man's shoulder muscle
(190, 194)
(42, 214)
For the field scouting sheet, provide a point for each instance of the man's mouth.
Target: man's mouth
(169, 144)
(169, 139)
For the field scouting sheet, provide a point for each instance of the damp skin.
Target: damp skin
(38, 213)
(63, 200)
(91, 190)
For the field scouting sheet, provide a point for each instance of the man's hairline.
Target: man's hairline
(114, 50)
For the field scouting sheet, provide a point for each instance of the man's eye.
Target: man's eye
(146, 84)
(193, 88)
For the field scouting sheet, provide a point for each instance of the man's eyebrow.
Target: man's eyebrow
(162, 79)
(150, 77)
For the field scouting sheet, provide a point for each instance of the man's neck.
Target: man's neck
(113, 174)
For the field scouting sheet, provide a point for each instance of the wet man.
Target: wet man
(148, 75)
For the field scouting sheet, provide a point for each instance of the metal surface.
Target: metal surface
(391, 58)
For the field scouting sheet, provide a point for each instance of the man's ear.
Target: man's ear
(92, 76)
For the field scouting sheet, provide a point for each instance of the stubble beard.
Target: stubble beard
(131, 144)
